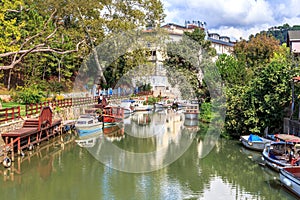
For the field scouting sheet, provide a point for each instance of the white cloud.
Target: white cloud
(240, 18)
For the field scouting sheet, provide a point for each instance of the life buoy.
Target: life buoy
(6, 162)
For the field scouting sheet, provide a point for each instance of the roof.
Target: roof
(221, 42)
(294, 35)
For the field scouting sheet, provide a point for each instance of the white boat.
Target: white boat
(87, 124)
(127, 105)
(189, 122)
(140, 105)
(290, 178)
(192, 111)
(276, 155)
(254, 142)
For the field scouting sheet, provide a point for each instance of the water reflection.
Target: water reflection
(153, 140)
(72, 172)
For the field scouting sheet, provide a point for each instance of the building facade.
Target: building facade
(159, 80)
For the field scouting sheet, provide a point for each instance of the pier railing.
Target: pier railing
(10, 114)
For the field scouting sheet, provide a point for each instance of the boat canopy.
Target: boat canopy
(254, 138)
(288, 138)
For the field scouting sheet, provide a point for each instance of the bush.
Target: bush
(205, 112)
(29, 95)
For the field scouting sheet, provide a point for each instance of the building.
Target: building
(293, 41)
(222, 44)
(158, 80)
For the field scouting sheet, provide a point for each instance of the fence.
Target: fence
(34, 109)
(10, 114)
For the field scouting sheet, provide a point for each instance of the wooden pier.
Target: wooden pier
(33, 132)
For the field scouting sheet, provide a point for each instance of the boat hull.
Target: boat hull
(276, 165)
(290, 178)
(191, 122)
(191, 116)
(254, 145)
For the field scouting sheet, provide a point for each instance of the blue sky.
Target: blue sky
(234, 18)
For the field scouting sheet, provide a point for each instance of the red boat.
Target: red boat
(112, 114)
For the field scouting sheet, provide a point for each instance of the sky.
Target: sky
(234, 18)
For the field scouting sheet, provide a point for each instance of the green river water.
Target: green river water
(151, 156)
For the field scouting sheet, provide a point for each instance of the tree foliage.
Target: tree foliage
(185, 59)
(258, 85)
(50, 39)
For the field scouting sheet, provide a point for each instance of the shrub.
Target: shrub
(29, 95)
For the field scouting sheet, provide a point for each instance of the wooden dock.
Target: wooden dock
(33, 132)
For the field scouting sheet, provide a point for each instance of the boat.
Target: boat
(140, 105)
(127, 106)
(192, 111)
(290, 179)
(190, 122)
(87, 124)
(277, 155)
(112, 115)
(254, 142)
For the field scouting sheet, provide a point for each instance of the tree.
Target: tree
(231, 70)
(184, 63)
(256, 52)
(63, 31)
(262, 101)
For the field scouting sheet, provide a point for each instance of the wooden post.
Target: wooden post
(12, 151)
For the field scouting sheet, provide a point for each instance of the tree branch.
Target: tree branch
(36, 49)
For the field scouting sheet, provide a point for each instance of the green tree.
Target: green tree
(261, 102)
(256, 52)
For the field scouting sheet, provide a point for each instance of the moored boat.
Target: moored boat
(141, 105)
(112, 115)
(290, 178)
(277, 155)
(127, 105)
(87, 124)
(254, 142)
(192, 111)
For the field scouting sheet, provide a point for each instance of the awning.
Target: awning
(288, 138)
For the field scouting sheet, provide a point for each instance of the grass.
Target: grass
(14, 104)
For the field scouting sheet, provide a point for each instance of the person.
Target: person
(291, 155)
(100, 98)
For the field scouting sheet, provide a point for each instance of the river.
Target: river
(151, 156)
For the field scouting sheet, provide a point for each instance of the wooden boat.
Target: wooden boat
(112, 114)
(87, 124)
(290, 178)
(192, 111)
(254, 142)
(276, 155)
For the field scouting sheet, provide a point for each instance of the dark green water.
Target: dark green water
(68, 171)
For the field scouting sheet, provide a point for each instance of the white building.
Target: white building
(159, 80)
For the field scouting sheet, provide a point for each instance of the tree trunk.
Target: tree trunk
(9, 79)
(100, 70)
